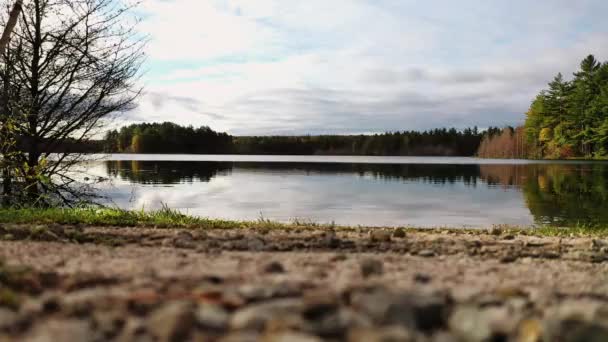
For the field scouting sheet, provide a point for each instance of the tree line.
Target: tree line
(569, 119)
(166, 137)
(171, 138)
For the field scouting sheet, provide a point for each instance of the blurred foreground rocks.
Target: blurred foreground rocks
(235, 285)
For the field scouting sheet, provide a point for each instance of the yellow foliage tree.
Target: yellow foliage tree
(546, 134)
(136, 144)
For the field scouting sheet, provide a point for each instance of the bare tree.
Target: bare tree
(69, 65)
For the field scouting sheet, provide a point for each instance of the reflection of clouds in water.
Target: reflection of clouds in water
(343, 198)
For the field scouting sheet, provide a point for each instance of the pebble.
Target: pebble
(427, 253)
(379, 235)
(255, 316)
(470, 324)
(508, 258)
(290, 337)
(60, 330)
(184, 235)
(274, 267)
(255, 244)
(371, 267)
(385, 334)
(109, 324)
(7, 318)
(212, 317)
(422, 278)
(172, 322)
(182, 239)
(530, 330)
(331, 240)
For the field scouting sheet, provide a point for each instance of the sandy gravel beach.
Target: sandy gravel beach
(60, 283)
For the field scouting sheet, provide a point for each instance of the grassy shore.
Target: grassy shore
(169, 218)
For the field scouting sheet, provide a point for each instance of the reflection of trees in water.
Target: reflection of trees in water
(171, 172)
(154, 172)
(428, 173)
(559, 194)
(505, 175)
(568, 194)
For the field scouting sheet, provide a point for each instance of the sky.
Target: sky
(264, 67)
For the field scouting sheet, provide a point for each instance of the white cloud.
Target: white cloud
(273, 66)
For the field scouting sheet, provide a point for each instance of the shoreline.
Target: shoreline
(265, 283)
(348, 158)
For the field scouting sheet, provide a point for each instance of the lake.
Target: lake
(370, 191)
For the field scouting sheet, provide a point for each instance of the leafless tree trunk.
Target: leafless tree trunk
(10, 25)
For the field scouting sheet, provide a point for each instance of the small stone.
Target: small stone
(331, 240)
(8, 319)
(212, 317)
(530, 330)
(255, 316)
(46, 235)
(182, 239)
(550, 255)
(575, 331)
(422, 278)
(334, 321)
(427, 253)
(338, 257)
(378, 235)
(109, 324)
(470, 324)
(274, 267)
(507, 292)
(61, 330)
(509, 258)
(384, 334)
(184, 235)
(410, 310)
(255, 244)
(242, 336)
(258, 292)
(290, 337)
(134, 330)
(597, 244)
(172, 322)
(370, 267)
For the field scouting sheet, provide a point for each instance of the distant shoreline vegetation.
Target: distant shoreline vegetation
(165, 138)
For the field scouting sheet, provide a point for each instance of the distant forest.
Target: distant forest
(567, 120)
(171, 138)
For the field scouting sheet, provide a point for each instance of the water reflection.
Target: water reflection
(152, 172)
(437, 194)
(174, 172)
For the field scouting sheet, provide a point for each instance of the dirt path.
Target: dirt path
(74, 283)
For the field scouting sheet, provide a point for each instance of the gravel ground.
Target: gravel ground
(61, 283)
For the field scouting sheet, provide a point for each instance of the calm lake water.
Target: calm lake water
(375, 191)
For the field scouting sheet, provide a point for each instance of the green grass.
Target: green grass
(162, 218)
(169, 218)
